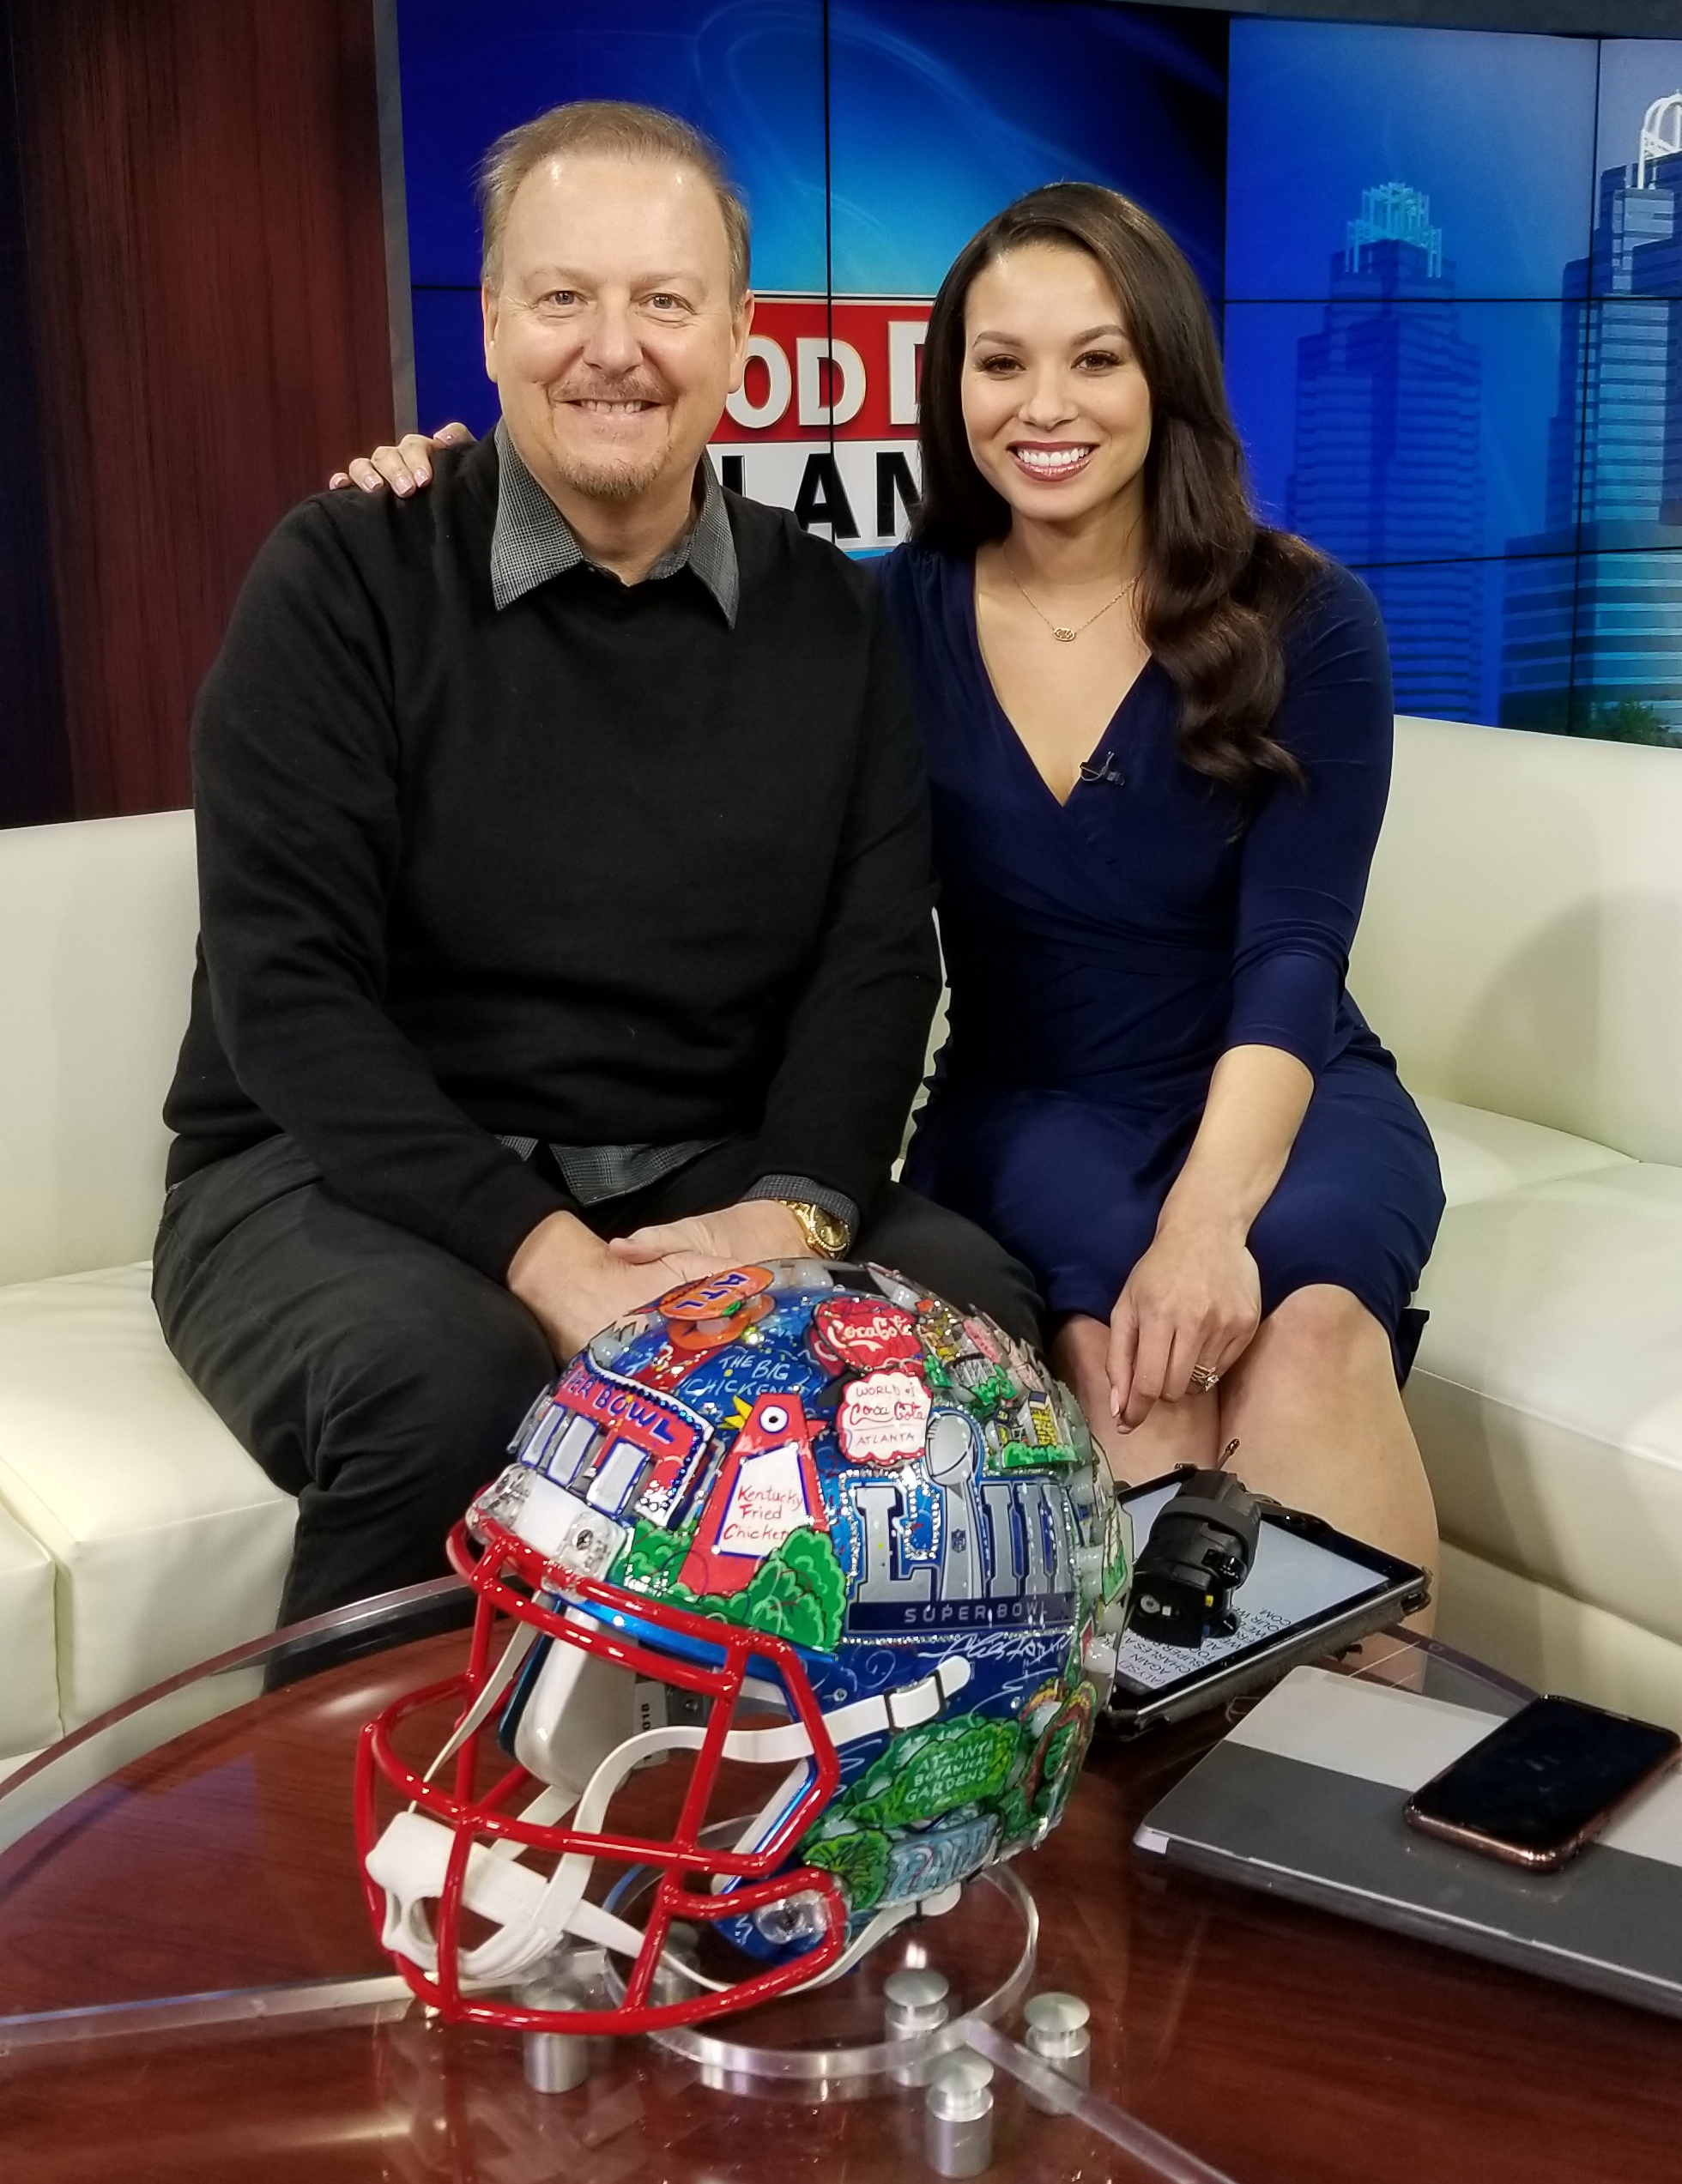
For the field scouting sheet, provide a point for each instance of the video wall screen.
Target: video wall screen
(1447, 267)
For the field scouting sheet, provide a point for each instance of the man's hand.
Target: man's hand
(1194, 1299)
(753, 1229)
(403, 468)
(573, 1285)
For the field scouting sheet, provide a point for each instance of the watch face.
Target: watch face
(829, 1232)
(824, 1232)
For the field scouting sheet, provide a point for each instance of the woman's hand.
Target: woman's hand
(1194, 1299)
(403, 468)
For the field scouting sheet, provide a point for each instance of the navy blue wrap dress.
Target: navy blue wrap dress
(1104, 952)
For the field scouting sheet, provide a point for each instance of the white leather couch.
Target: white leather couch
(1521, 952)
(136, 1536)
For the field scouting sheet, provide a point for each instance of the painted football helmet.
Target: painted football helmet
(803, 1516)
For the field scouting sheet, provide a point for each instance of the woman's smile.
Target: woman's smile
(1049, 461)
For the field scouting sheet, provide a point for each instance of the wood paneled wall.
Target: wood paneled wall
(207, 292)
(34, 769)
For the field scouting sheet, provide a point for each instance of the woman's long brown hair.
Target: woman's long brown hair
(1217, 588)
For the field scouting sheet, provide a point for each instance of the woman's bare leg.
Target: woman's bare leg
(1314, 1408)
(1186, 1432)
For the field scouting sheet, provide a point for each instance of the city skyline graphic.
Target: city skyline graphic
(1476, 400)
(1593, 636)
(1388, 469)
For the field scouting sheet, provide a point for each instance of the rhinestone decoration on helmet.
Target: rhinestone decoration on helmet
(819, 1485)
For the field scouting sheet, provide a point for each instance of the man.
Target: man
(565, 905)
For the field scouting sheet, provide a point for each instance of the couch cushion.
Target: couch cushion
(1547, 1396)
(1555, 1643)
(29, 1646)
(1482, 1153)
(171, 1544)
(1521, 947)
(100, 918)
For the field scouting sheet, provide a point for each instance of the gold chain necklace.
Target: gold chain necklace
(1061, 631)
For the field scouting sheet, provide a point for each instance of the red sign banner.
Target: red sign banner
(847, 368)
(825, 421)
(630, 1414)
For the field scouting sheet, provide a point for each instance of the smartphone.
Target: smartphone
(1536, 1789)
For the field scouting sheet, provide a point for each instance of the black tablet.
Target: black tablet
(1310, 1591)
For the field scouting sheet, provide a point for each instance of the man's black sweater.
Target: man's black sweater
(597, 869)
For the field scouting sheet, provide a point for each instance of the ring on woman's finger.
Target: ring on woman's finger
(1204, 1379)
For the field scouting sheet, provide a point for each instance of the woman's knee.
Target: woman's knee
(1320, 1332)
(1080, 1347)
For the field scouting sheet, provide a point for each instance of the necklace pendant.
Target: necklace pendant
(1064, 636)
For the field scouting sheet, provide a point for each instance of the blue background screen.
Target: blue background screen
(1446, 266)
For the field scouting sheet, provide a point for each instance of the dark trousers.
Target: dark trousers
(379, 1379)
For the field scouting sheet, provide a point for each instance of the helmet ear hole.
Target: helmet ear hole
(577, 1709)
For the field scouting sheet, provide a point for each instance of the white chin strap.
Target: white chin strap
(533, 1915)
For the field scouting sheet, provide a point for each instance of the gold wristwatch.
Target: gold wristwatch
(827, 1235)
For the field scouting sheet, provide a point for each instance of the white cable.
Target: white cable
(495, 1685)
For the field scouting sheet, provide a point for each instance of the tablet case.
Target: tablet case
(1304, 1799)
(1278, 1626)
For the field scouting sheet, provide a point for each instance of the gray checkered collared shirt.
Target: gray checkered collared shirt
(531, 543)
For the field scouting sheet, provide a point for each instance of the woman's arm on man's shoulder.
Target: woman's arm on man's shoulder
(405, 467)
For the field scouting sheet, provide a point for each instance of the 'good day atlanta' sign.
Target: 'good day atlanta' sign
(825, 422)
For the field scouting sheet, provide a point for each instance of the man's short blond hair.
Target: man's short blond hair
(619, 129)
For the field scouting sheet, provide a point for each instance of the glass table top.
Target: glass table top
(189, 1988)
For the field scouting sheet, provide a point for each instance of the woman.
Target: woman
(1158, 746)
(1158, 743)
